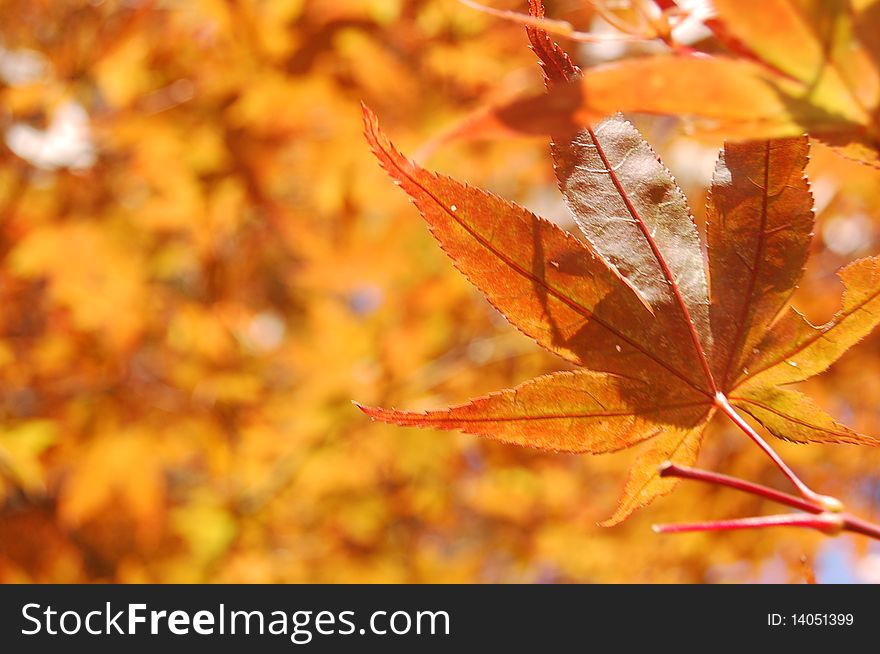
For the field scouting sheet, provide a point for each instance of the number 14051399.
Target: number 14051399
(810, 620)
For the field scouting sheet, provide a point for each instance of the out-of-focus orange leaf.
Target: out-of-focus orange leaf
(91, 273)
(121, 472)
(200, 267)
(822, 78)
(737, 98)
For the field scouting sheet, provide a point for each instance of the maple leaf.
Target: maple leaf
(663, 344)
(800, 66)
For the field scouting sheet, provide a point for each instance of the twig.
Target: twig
(559, 27)
(828, 522)
(669, 469)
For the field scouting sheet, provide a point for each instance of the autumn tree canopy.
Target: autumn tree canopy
(201, 265)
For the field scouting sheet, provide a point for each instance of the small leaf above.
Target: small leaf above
(795, 66)
(817, 42)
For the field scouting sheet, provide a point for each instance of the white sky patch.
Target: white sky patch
(66, 143)
(19, 67)
(607, 50)
(693, 163)
(691, 29)
(824, 189)
(688, 29)
(868, 569)
(265, 332)
(847, 235)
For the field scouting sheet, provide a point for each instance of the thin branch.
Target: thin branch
(827, 523)
(559, 27)
(859, 526)
(671, 470)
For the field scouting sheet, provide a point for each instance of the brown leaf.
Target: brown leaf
(577, 305)
(555, 62)
(582, 411)
(541, 278)
(759, 228)
(636, 301)
(637, 219)
(740, 99)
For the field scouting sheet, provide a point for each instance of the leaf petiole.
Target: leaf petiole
(826, 502)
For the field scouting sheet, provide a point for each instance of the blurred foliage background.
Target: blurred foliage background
(201, 266)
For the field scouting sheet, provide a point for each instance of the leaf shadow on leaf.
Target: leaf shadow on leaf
(535, 116)
(833, 14)
(851, 139)
(856, 144)
(867, 32)
(605, 351)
